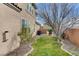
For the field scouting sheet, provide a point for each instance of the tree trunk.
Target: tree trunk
(59, 39)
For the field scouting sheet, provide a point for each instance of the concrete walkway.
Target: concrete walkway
(21, 51)
(70, 47)
(24, 49)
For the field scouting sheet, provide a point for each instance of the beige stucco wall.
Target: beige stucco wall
(29, 5)
(29, 16)
(10, 21)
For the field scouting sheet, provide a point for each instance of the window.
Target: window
(5, 36)
(25, 28)
(25, 23)
(30, 9)
(27, 6)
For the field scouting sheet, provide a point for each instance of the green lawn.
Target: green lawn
(47, 46)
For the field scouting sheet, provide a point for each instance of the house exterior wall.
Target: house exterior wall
(73, 36)
(10, 21)
(29, 18)
(28, 13)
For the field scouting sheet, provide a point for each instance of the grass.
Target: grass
(47, 46)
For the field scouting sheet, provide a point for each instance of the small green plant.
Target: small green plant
(25, 35)
(50, 31)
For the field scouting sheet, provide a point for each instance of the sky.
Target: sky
(40, 6)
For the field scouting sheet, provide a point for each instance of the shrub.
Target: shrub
(25, 35)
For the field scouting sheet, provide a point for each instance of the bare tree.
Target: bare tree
(60, 16)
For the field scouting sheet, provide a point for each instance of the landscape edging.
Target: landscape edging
(29, 51)
(66, 50)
